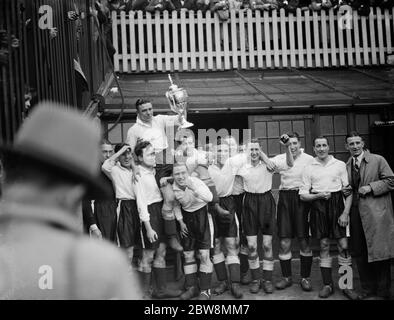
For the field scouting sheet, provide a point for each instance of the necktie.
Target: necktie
(356, 166)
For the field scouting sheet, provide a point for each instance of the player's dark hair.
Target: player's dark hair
(320, 137)
(140, 146)
(353, 134)
(140, 102)
(294, 135)
(105, 141)
(120, 146)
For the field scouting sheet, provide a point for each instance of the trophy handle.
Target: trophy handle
(171, 102)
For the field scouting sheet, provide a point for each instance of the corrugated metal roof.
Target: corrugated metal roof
(254, 90)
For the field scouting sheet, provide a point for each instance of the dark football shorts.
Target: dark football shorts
(199, 230)
(157, 224)
(128, 223)
(324, 217)
(292, 216)
(226, 228)
(259, 213)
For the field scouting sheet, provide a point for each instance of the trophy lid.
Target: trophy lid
(173, 86)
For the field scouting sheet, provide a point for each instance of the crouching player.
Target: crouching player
(196, 232)
(149, 203)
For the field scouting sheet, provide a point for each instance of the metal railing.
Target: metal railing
(47, 55)
(196, 41)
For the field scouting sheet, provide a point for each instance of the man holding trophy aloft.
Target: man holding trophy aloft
(153, 129)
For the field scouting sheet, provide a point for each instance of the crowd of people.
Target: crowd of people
(212, 203)
(221, 6)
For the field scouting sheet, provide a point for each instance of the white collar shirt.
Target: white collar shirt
(329, 177)
(223, 178)
(257, 179)
(147, 192)
(192, 201)
(121, 178)
(357, 160)
(156, 132)
(291, 177)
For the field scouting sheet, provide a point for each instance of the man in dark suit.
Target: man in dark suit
(371, 217)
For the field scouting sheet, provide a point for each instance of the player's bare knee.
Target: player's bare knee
(324, 248)
(159, 261)
(161, 250)
(147, 257)
(285, 245)
(189, 256)
(204, 256)
(231, 244)
(342, 245)
(304, 246)
(267, 244)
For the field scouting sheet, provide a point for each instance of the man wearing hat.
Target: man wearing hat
(53, 162)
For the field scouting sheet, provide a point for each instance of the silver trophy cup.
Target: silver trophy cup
(177, 98)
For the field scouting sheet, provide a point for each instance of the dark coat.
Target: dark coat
(376, 209)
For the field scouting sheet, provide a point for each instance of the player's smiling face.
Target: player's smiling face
(355, 145)
(125, 158)
(295, 146)
(145, 112)
(148, 157)
(321, 148)
(222, 153)
(254, 151)
(180, 175)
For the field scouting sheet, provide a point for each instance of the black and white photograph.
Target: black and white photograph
(197, 157)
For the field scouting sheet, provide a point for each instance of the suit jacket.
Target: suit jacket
(376, 209)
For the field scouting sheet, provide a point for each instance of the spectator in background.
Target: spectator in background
(139, 4)
(317, 5)
(49, 169)
(363, 7)
(235, 4)
(289, 5)
(263, 5)
(221, 7)
(119, 5)
(304, 4)
(159, 5)
(202, 5)
(339, 3)
(185, 5)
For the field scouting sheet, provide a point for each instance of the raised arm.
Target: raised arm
(111, 161)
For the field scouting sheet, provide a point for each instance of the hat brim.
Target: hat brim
(97, 188)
